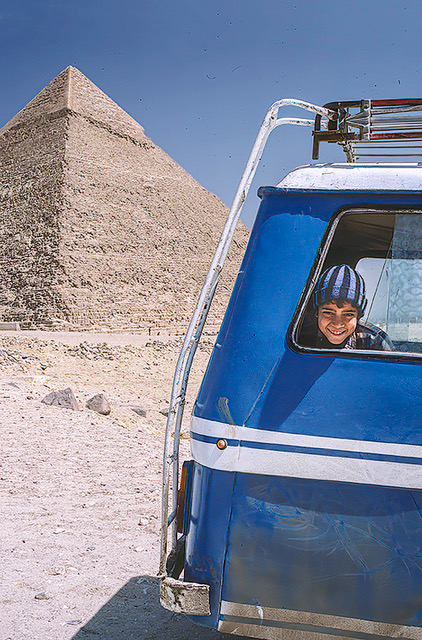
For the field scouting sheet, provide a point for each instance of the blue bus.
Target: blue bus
(300, 512)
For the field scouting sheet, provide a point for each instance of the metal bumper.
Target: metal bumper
(189, 598)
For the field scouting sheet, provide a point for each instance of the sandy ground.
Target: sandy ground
(80, 492)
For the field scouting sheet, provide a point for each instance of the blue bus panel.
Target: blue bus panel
(308, 521)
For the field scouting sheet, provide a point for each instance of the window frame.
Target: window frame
(312, 280)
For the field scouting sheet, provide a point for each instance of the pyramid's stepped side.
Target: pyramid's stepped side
(138, 234)
(100, 226)
(31, 180)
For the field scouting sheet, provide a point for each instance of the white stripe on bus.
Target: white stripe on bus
(310, 465)
(258, 615)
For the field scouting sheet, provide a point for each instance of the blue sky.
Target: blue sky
(200, 74)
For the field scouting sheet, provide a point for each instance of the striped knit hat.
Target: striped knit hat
(342, 282)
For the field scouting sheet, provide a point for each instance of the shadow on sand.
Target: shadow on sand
(134, 613)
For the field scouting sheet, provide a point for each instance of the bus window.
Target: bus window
(366, 293)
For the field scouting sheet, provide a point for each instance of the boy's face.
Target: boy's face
(337, 324)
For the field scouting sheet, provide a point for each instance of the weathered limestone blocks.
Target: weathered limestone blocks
(99, 226)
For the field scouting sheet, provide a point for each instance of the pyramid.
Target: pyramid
(101, 228)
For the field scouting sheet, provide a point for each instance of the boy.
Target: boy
(339, 301)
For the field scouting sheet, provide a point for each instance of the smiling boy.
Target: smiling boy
(337, 323)
(339, 301)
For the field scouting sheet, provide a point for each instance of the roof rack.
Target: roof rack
(387, 128)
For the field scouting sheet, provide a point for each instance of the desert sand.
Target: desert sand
(80, 492)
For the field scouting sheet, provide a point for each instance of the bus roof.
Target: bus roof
(374, 177)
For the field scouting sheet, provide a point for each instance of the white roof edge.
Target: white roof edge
(374, 176)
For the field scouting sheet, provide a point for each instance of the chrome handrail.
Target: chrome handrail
(194, 331)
